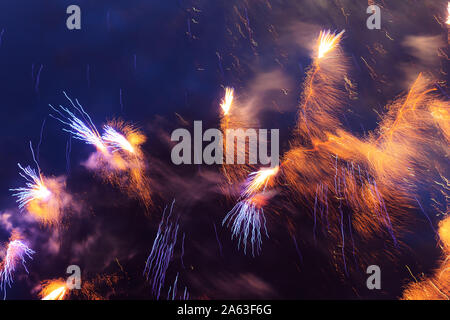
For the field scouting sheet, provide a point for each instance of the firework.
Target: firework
(82, 129)
(235, 119)
(227, 100)
(16, 252)
(118, 159)
(258, 181)
(43, 197)
(126, 166)
(35, 189)
(327, 42)
(246, 220)
(161, 254)
(53, 290)
(116, 140)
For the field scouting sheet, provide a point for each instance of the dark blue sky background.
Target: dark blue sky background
(146, 60)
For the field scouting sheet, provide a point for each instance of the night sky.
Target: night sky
(160, 65)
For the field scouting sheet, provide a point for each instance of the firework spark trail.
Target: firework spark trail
(44, 198)
(35, 187)
(38, 77)
(321, 98)
(116, 140)
(68, 151)
(258, 181)
(125, 167)
(16, 252)
(328, 42)
(248, 213)
(227, 100)
(182, 251)
(161, 253)
(217, 239)
(118, 159)
(185, 294)
(236, 118)
(297, 249)
(40, 139)
(247, 219)
(53, 290)
(395, 158)
(81, 129)
(426, 215)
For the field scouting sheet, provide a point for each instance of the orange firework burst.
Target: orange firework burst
(227, 100)
(380, 175)
(44, 198)
(124, 164)
(259, 180)
(233, 124)
(327, 42)
(53, 290)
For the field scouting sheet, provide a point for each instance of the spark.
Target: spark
(81, 129)
(227, 100)
(53, 290)
(116, 140)
(448, 11)
(35, 187)
(16, 252)
(259, 180)
(161, 254)
(247, 219)
(327, 41)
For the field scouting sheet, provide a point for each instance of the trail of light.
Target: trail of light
(161, 253)
(327, 42)
(53, 290)
(424, 213)
(247, 219)
(35, 188)
(81, 129)
(315, 222)
(182, 251)
(217, 238)
(297, 249)
(116, 140)
(258, 181)
(17, 252)
(185, 294)
(227, 101)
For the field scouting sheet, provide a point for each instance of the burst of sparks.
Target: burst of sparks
(81, 130)
(17, 252)
(258, 180)
(54, 290)
(327, 42)
(227, 100)
(247, 219)
(35, 188)
(116, 140)
(57, 294)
